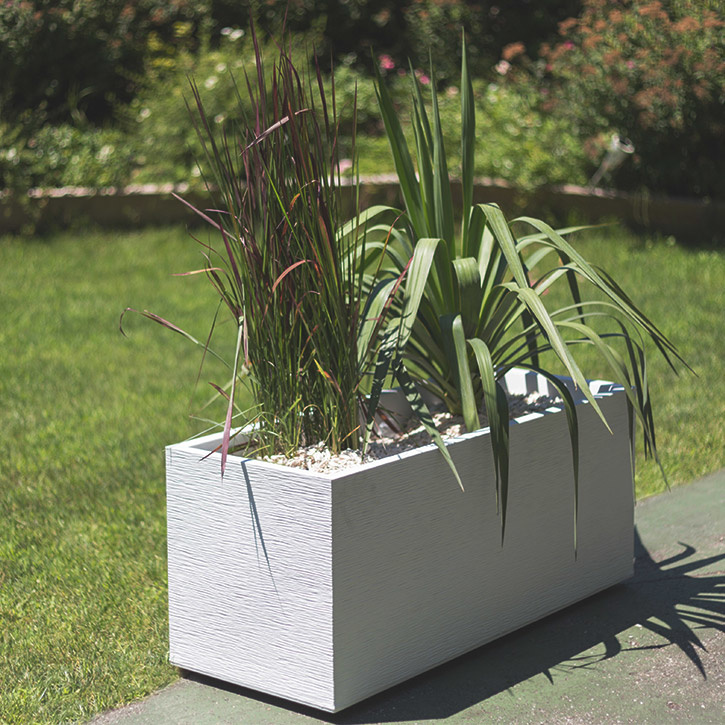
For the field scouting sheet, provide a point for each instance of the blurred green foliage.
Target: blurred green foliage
(65, 155)
(555, 79)
(76, 60)
(654, 72)
(520, 142)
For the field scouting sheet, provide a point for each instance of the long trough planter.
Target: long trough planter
(327, 589)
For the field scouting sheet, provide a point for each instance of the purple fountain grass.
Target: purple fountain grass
(284, 266)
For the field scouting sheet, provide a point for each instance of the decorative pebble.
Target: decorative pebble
(320, 459)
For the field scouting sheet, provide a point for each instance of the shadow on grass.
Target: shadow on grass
(673, 599)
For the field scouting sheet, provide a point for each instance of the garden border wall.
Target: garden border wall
(150, 204)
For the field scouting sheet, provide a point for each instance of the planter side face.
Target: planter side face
(420, 574)
(250, 586)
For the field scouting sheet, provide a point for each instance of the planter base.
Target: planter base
(328, 589)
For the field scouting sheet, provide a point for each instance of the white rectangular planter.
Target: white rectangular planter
(326, 589)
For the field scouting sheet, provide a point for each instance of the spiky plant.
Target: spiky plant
(473, 305)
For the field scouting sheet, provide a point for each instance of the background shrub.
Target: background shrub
(654, 72)
(68, 59)
(408, 29)
(164, 139)
(154, 140)
(164, 142)
(518, 140)
(64, 156)
(92, 70)
(549, 100)
(71, 60)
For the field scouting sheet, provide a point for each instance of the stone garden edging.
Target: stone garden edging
(153, 204)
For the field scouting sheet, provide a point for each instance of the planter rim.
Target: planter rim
(600, 389)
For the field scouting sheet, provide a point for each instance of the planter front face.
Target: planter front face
(326, 590)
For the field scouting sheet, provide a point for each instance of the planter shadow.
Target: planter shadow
(674, 599)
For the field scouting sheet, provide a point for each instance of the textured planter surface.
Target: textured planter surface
(325, 589)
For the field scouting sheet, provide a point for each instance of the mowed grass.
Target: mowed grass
(85, 415)
(681, 290)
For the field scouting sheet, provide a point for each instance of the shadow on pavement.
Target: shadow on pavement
(674, 599)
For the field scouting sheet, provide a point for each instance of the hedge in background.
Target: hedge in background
(71, 60)
(65, 59)
(654, 72)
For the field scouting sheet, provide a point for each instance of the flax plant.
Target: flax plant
(473, 302)
(284, 267)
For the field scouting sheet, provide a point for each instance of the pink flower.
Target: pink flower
(422, 77)
(386, 62)
(630, 64)
(503, 67)
(568, 45)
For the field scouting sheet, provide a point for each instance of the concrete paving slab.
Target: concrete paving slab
(651, 650)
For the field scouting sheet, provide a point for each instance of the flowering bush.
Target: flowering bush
(655, 73)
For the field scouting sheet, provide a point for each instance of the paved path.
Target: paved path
(651, 650)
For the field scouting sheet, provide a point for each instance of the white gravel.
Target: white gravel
(320, 459)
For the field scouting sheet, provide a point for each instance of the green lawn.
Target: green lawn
(85, 415)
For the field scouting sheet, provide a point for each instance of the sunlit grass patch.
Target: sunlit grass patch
(85, 415)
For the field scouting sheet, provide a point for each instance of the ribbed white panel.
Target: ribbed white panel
(250, 575)
(326, 590)
(420, 575)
